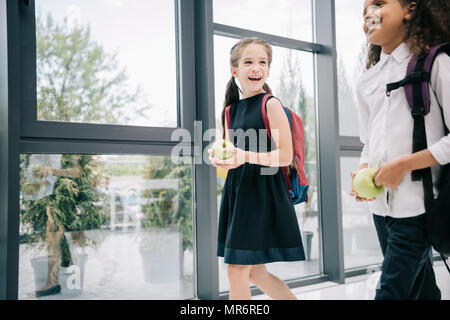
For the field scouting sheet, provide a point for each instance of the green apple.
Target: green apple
(218, 149)
(364, 184)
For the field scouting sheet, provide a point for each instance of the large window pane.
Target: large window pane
(292, 81)
(361, 246)
(107, 62)
(350, 40)
(286, 18)
(105, 227)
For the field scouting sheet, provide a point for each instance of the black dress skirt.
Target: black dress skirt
(257, 220)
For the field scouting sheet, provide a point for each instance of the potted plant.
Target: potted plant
(167, 220)
(58, 196)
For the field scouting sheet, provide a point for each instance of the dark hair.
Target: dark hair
(428, 26)
(232, 90)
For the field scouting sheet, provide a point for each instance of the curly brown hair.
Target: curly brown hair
(428, 27)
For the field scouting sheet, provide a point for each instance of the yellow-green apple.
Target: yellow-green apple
(364, 184)
(219, 149)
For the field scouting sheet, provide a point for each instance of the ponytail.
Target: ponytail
(267, 89)
(231, 96)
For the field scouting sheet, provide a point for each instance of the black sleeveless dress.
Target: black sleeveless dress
(257, 221)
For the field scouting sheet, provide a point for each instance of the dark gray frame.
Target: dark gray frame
(328, 146)
(23, 134)
(10, 93)
(205, 175)
(32, 128)
(238, 33)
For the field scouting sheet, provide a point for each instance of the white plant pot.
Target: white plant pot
(70, 279)
(161, 252)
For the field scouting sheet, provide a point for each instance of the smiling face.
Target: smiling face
(384, 22)
(252, 70)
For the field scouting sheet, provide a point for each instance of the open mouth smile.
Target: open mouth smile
(256, 79)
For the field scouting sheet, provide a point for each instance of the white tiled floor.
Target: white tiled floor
(359, 287)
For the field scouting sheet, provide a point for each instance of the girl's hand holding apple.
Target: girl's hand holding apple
(225, 155)
(363, 186)
(353, 193)
(390, 174)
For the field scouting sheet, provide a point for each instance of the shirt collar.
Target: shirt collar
(399, 54)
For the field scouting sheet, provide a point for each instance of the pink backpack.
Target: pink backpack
(294, 174)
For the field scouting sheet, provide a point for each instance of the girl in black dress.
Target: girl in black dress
(257, 221)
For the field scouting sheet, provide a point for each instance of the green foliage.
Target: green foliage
(78, 80)
(164, 207)
(71, 204)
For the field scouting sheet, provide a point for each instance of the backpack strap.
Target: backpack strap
(419, 72)
(413, 77)
(227, 117)
(266, 98)
(418, 113)
(264, 113)
(425, 71)
(418, 97)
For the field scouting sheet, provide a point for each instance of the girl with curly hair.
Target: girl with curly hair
(396, 30)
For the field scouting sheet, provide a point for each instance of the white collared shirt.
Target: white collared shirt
(386, 127)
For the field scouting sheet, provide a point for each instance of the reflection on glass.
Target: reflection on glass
(350, 41)
(97, 63)
(361, 246)
(105, 227)
(286, 18)
(292, 81)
